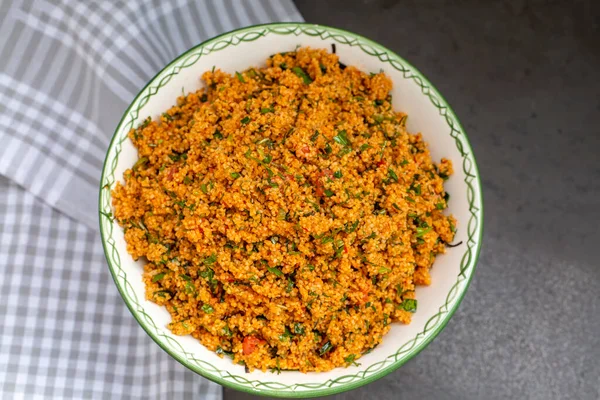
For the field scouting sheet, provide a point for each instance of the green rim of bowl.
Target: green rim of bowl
(369, 373)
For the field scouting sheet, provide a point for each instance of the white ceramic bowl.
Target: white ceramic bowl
(428, 113)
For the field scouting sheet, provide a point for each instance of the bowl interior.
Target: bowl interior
(428, 114)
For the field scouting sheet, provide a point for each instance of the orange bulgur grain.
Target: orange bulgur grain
(285, 214)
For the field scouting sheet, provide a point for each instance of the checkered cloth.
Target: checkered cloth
(67, 72)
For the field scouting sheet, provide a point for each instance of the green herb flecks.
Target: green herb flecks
(285, 335)
(190, 289)
(422, 231)
(275, 271)
(207, 308)
(352, 227)
(222, 352)
(266, 142)
(342, 138)
(290, 286)
(399, 290)
(298, 328)
(140, 162)
(302, 74)
(384, 270)
(325, 348)
(416, 189)
(163, 293)
(350, 360)
(210, 259)
(240, 77)
(314, 205)
(344, 151)
(409, 305)
(402, 121)
(227, 331)
(364, 147)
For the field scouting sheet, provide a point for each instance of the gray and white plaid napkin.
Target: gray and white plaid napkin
(67, 72)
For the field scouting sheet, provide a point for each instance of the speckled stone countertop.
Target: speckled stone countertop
(524, 79)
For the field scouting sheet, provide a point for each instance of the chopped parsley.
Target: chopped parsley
(302, 74)
(275, 271)
(422, 231)
(352, 227)
(290, 286)
(285, 335)
(221, 352)
(350, 360)
(325, 348)
(409, 305)
(140, 162)
(341, 138)
(298, 328)
(210, 259)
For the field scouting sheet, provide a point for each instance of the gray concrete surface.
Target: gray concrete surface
(524, 78)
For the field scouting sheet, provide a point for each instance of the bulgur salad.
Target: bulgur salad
(284, 214)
